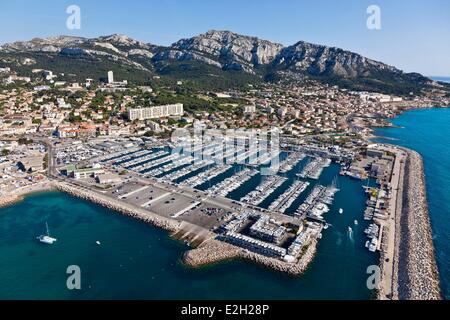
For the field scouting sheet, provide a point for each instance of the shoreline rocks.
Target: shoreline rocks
(416, 275)
(9, 200)
(19, 194)
(415, 272)
(215, 251)
(209, 252)
(121, 207)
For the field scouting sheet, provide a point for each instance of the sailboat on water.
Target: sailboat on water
(46, 237)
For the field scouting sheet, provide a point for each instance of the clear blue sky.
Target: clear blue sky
(415, 34)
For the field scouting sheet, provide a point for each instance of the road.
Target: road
(51, 168)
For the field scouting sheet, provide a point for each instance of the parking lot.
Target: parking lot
(207, 216)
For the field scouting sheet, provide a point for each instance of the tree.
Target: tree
(45, 161)
(24, 140)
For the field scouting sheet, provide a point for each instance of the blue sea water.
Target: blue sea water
(428, 132)
(138, 261)
(442, 79)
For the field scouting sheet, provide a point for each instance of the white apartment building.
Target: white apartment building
(110, 77)
(249, 109)
(156, 112)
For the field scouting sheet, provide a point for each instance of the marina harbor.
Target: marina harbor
(219, 191)
(198, 163)
(271, 206)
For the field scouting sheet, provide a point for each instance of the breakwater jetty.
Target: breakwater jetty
(119, 206)
(415, 272)
(208, 252)
(214, 251)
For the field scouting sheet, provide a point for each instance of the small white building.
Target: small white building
(249, 109)
(108, 178)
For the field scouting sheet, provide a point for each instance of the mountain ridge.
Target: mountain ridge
(228, 52)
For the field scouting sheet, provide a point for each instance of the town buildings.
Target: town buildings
(155, 112)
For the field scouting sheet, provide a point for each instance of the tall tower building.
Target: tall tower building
(110, 77)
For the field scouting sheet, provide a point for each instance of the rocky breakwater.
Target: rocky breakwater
(119, 206)
(214, 251)
(417, 277)
(18, 195)
(209, 252)
(7, 200)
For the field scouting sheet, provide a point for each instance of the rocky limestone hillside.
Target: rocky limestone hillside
(318, 60)
(229, 50)
(221, 54)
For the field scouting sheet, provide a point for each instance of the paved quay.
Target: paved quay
(388, 261)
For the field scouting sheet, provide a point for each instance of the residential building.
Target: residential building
(155, 112)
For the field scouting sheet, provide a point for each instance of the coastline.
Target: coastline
(20, 194)
(120, 207)
(208, 252)
(387, 124)
(9, 200)
(214, 251)
(415, 274)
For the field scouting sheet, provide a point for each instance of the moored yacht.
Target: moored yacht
(46, 238)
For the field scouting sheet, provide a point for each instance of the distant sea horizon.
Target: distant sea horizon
(440, 78)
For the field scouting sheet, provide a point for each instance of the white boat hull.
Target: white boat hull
(47, 240)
